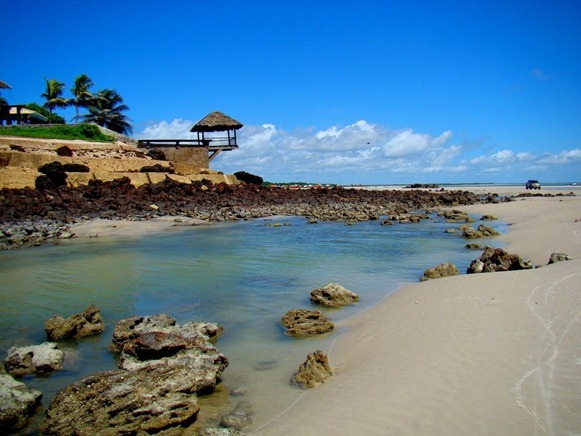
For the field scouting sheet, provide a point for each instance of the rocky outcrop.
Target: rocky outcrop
(245, 177)
(496, 259)
(34, 359)
(303, 322)
(445, 269)
(88, 323)
(313, 371)
(455, 216)
(333, 295)
(54, 172)
(559, 257)
(131, 328)
(147, 400)
(157, 168)
(17, 402)
(75, 168)
(164, 368)
(202, 199)
(482, 232)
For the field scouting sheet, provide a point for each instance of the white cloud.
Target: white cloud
(408, 142)
(178, 128)
(368, 153)
(567, 156)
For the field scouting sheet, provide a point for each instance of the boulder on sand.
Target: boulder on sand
(559, 257)
(333, 295)
(496, 259)
(313, 371)
(445, 269)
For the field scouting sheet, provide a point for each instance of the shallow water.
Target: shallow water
(243, 275)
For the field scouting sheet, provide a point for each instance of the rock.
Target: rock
(488, 218)
(239, 418)
(88, 323)
(559, 257)
(55, 172)
(76, 168)
(156, 154)
(453, 216)
(473, 246)
(165, 367)
(333, 295)
(445, 269)
(249, 178)
(129, 328)
(142, 340)
(314, 371)
(471, 233)
(487, 231)
(64, 151)
(496, 259)
(157, 168)
(17, 403)
(305, 322)
(34, 359)
(146, 400)
(43, 183)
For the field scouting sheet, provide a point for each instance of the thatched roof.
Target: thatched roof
(216, 122)
(4, 85)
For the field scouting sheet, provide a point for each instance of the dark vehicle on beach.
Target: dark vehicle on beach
(533, 184)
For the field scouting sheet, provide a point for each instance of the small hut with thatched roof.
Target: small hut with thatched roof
(190, 154)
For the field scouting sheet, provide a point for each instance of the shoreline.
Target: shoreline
(139, 228)
(355, 354)
(492, 353)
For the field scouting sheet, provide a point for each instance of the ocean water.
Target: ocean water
(243, 275)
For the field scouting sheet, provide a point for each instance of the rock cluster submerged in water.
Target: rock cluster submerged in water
(165, 366)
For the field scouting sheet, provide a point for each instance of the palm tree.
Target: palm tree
(81, 95)
(52, 95)
(106, 110)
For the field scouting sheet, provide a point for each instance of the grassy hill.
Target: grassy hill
(84, 132)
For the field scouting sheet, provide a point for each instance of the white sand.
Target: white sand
(485, 354)
(130, 229)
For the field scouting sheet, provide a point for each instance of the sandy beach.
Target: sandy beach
(484, 354)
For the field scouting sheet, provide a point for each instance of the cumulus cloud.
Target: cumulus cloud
(363, 152)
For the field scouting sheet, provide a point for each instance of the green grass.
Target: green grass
(84, 132)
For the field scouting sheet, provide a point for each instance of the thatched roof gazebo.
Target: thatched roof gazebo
(217, 122)
(199, 152)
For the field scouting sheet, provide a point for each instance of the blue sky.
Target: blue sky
(368, 91)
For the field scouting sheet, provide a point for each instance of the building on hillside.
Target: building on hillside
(216, 132)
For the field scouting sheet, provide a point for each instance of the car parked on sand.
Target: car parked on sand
(533, 184)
